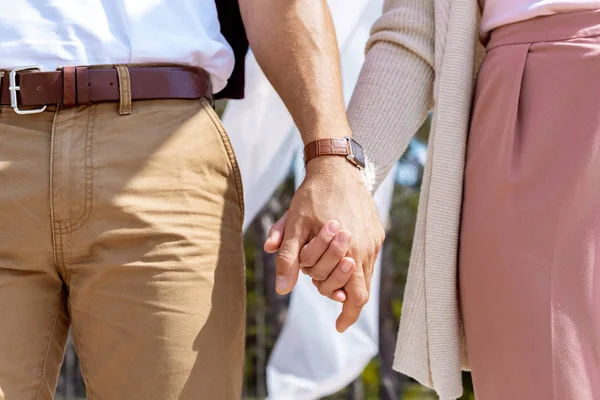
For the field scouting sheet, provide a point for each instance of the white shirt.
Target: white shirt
(53, 33)
(503, 12)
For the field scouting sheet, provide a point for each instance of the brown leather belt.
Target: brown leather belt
(71, 86)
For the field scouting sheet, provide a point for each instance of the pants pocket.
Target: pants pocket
(229, 150)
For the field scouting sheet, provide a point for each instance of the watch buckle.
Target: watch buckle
(350, 157)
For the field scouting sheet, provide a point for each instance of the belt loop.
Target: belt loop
(83, 85)
(124, 90)
(69, 87)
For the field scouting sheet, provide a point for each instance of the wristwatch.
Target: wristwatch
(345, 146)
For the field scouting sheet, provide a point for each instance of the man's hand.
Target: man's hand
(332, 190)
(330, 240)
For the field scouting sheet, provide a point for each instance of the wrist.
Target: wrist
(326, 131)
(331, 165)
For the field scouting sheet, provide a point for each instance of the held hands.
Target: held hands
(332, 233)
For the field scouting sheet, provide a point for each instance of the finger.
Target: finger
(338, 295)
(332, 257)
(276, 235)
(338, 279)
(314, 250)
(357, 298)
(286, 262)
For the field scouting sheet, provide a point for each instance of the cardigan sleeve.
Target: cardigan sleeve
(394, 92)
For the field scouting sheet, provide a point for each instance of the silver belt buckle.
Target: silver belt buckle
(13, 88)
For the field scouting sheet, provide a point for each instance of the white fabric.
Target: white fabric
(54, 33)
(502, 12)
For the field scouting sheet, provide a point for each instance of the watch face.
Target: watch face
(357, 151)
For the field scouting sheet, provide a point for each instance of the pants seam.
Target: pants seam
(230, 154)
(55, 225)
(37, 396)
(89, 179)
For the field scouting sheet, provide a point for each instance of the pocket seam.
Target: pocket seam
(230, 153)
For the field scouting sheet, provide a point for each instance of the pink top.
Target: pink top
(502, 12)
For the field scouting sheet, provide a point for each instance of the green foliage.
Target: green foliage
(417, 392)
(371, 380)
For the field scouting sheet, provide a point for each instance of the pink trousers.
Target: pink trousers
(530, 241)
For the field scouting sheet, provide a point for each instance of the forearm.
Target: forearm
(294, 43)
(394, 92)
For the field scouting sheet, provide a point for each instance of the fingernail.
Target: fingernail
(281, 283)
(273, 235)
(344, 237)
(346, 265)
(333, 227)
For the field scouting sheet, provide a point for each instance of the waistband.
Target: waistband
(552, 28)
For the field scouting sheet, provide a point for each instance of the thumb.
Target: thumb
(276, 235)
(288, 259)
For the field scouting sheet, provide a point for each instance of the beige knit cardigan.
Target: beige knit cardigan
(423, 55)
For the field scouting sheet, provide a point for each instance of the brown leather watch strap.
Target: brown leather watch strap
(82, 85)
(323, 147)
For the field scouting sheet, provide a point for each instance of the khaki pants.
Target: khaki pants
(128, 229)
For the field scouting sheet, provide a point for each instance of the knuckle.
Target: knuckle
(338, 251)
(306, 260)
(323, 291)
(285, 256)
(318, 275)
(324, 237)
